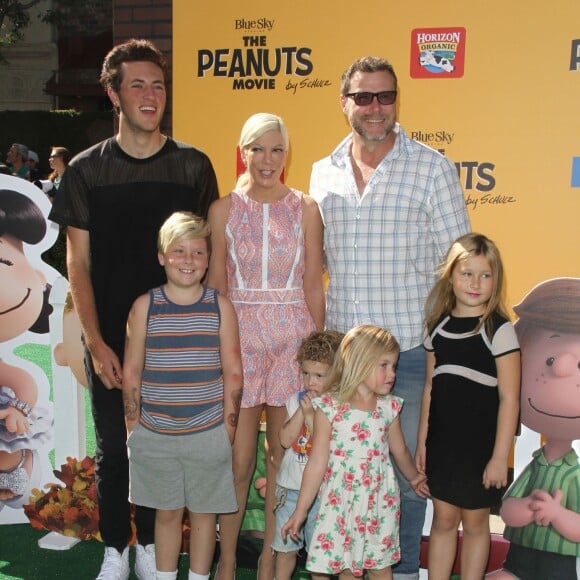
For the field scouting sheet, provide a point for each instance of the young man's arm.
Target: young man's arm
(105, 361)
(134, 360)
(231, 357)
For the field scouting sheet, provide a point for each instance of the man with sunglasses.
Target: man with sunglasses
(391, 208)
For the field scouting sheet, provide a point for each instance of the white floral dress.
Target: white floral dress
(357, 527)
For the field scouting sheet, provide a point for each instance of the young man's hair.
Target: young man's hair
(320, 346)
(134, 50)
(182, 224)
(366, 64)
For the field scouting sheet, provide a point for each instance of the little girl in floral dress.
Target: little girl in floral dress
(356, 425)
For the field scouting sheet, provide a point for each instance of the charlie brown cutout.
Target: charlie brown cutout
(542, 507)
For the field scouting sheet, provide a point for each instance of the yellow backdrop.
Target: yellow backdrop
(494, 84)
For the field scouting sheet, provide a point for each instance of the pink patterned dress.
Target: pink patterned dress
(265, 268)
(357, 527)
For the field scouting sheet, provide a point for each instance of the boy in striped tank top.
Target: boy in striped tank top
(182, 384)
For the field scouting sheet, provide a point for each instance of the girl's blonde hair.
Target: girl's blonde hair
(253, 129)
(441, 299)
(182, 224)
(360, 350)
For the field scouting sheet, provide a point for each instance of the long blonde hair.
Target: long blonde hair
(441, 299)
(359, 352)
(253, 129)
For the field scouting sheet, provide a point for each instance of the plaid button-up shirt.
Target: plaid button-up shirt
(383, 247)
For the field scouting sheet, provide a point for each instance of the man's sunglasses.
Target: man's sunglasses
(364, 99)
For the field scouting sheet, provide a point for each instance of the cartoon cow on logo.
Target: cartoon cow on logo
(435, 62)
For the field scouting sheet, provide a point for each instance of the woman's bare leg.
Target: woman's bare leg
(244, 464)
(275, 417)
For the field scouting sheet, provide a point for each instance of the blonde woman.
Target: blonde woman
(267, 258)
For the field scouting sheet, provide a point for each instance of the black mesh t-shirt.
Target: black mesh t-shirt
(123, 201)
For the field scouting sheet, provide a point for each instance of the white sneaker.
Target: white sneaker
(115, 566)
(145, 568)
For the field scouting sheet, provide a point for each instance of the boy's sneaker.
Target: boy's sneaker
(145, 568)
(115, 565)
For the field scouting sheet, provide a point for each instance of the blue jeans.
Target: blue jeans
(409, 386)
(286, 500)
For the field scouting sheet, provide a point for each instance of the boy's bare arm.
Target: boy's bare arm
(313, 475)
(291, 429)
(134, 361)
(132, 406)
(308, 410)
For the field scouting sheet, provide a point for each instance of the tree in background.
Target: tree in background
(69, 16)
(14, 18)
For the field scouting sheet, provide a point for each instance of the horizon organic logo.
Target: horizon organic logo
(437, 52)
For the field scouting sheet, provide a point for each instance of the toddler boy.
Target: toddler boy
(315, 356)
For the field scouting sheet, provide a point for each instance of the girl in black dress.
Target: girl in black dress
(470, 405)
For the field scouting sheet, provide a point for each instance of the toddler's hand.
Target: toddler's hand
(306, 406)
(292, 527)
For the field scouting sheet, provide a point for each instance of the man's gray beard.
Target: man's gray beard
(378, 138)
